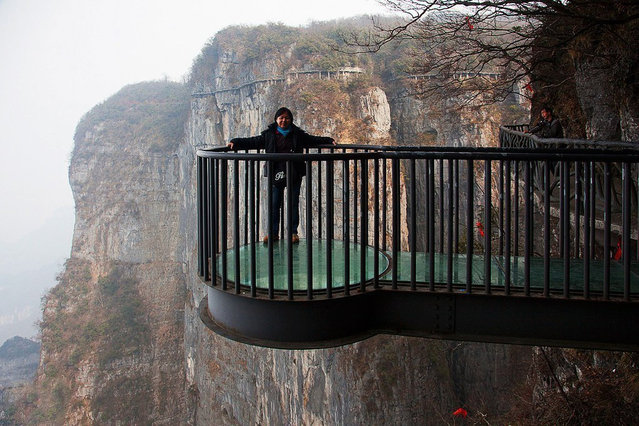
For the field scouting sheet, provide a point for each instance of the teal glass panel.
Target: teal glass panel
(300, 264)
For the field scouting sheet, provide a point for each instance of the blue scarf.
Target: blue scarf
(284, 132)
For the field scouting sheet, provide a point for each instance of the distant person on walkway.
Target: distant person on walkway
(283, 136)
(548, 126)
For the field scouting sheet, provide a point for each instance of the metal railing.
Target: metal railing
(516, 136)
(498, 221)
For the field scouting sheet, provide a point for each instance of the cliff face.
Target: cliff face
(112, 328)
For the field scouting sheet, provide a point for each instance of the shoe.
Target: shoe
(295, 239)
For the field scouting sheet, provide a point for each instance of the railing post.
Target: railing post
(384, 203)
(562, 208)
(586, 251)
(329, 228)
(355, 198)
(516, 210)
(413, 225)
(364, 223)
(441, 205)
(214, 216)
(376, 224)
(258, 198)
(470, 202)
(395, 217)
(508, 236)
(252, 225)
(546, 292)
(346, 228)
(223, 203)
(289, 228)
(607, 219)
(309, 231)
(565, 218)
(577, 207)
(431, 225)
(636, 182)
(247, 177)
(527, 227)
(456, 243)
(319, 198)
(626, 179)
(593, 210)
(236, 223)
(269, 227)
(501, 207)
(449, 266)
(201, 213)
(487, 225)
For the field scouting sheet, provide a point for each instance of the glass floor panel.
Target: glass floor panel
(422, 268)
(497, 272)
(300, 269)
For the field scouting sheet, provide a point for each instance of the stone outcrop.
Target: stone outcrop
(18, 361)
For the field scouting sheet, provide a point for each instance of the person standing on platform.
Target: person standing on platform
(283, 136)
(549, 126)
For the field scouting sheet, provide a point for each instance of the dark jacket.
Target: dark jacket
(298, 139)
(548, 129)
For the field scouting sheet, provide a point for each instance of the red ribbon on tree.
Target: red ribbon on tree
(618, 252)
(481, 229)
(460, 412)
(470, 25)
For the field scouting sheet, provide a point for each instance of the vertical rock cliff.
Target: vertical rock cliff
(113, 327)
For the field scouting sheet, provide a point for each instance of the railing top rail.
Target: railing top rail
(567, 142)
(338, 153)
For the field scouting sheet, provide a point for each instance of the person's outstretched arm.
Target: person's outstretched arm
(255, 142)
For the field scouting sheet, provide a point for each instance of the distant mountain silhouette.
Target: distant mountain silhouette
(28, 268)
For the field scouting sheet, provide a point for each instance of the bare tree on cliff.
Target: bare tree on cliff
(499, 47)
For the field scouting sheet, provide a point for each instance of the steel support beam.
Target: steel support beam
(324, 322)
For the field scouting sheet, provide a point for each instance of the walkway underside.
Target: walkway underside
(318, 323)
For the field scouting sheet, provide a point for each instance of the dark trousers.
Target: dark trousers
(278, 202)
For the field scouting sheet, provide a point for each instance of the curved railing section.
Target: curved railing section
(516, 136)
(386, 231)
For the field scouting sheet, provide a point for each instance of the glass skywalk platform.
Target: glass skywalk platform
(463, 204)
